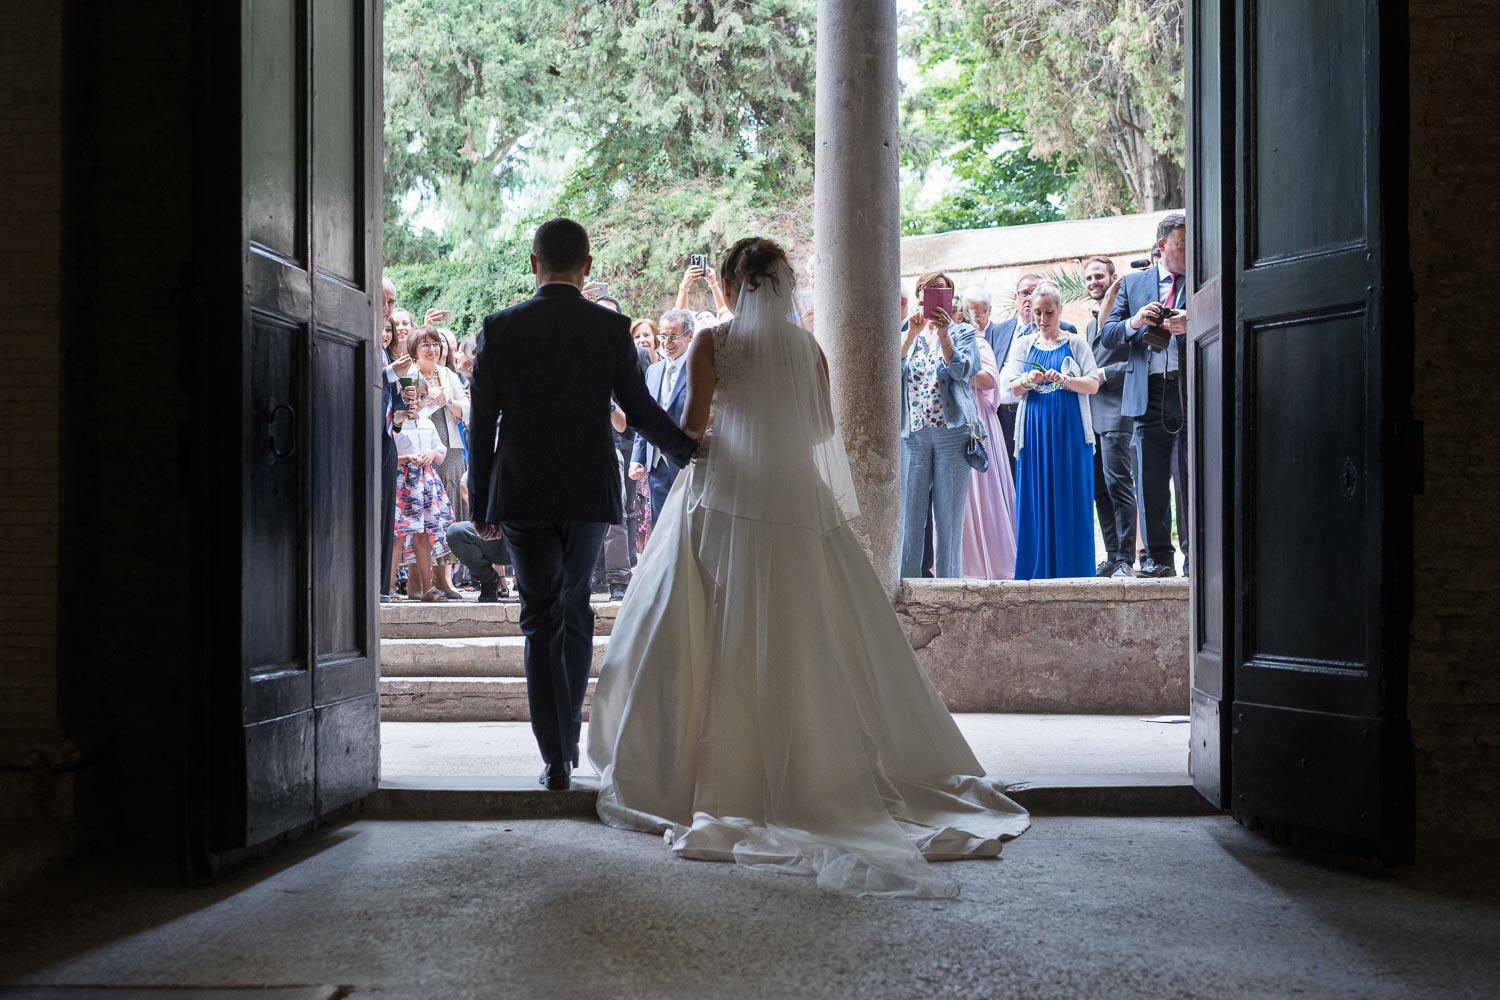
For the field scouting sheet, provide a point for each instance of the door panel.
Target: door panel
(289, 98)
(1211, 371)
(1318, 680)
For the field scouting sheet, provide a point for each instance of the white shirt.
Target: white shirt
(417, 436)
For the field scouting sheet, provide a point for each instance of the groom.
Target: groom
(548, 478)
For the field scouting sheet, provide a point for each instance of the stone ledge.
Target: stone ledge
(944, 594)
(1084, 647)
(508, 798)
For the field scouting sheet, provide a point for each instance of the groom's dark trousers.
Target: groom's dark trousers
(543, 465)
(554, 562)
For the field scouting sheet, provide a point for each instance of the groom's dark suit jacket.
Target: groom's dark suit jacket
(543, 379)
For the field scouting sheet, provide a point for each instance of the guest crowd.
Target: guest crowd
(433, 552)
(1014, 434)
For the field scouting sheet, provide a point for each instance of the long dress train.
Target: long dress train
(759, 702)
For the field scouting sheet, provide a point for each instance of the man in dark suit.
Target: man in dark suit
(1114, 487)
(667, 382)
(544, 472)
(1151, 306)
(1002, 336)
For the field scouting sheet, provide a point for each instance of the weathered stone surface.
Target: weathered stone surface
(481, 656)
(467, 619)
(459, 699)
(1059, 646)
(1080, 646)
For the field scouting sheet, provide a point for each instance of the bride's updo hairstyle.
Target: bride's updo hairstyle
(751, 261)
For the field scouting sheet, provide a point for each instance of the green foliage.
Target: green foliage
(492, 279)
(1098, 83)
(948, 122)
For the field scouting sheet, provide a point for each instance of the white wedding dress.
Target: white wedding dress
(759, 702)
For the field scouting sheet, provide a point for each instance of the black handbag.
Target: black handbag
(974, 452)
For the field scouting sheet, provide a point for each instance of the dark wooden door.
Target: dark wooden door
(1211, 371)
(1320, 748)
(290, 204)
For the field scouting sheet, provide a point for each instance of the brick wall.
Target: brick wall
(30, 137)
(1455, 213)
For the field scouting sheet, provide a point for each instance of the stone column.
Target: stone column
(858, 252)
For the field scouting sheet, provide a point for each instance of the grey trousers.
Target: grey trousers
(479, 557)
(1114, 493)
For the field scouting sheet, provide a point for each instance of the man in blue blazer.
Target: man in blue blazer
(667, 382)
(1002, 336)
(544, 471)
(1151, 304)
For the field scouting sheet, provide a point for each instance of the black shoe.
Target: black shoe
(1122, 570)
(617, 592)
(1150, 567)
(1106, 568)
(489, 593)
(557, 777)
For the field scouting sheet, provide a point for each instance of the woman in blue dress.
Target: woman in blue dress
(1051, 372)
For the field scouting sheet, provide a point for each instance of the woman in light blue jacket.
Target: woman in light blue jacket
(938, 358)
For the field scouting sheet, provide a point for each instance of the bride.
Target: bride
(759, 702)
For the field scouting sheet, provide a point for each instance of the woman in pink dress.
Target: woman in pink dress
(990, 519)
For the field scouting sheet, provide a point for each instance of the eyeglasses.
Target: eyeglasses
(674, 338)
(429, 346)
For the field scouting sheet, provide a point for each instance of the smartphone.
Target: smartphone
(603, 289)
(934, 299)
(442, 315)
(699, 260)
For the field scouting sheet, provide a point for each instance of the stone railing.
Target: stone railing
(1052, 646)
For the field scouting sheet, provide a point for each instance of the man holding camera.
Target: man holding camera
(1150, 319)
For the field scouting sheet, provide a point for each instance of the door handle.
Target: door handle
(273, 411)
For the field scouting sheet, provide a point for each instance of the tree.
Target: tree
(946, 120)
(1098, 83)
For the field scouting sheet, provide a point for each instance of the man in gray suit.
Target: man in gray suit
(1114, 487)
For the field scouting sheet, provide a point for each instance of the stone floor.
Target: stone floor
(1009, 746)
(1119, 908)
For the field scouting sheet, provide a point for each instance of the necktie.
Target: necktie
(1171, 302)
(668, 383)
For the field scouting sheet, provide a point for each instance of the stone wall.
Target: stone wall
(996, 258)
(1091, 647)
(1454, 203)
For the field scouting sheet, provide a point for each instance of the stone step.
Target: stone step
(469, 619)
(459, 699)
(496, 798)
(483, 656)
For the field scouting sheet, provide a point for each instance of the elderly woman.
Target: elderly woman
(644, 333)
(1051, 372)
(938, 359)
(446, 404)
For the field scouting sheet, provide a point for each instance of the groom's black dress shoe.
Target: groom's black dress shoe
(557, 777)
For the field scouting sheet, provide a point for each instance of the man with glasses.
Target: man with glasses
(667, 382)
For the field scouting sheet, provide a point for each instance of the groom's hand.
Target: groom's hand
(487, 530)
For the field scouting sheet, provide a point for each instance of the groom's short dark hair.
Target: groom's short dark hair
(560, 245)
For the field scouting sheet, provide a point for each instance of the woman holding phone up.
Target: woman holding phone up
(938, 358)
